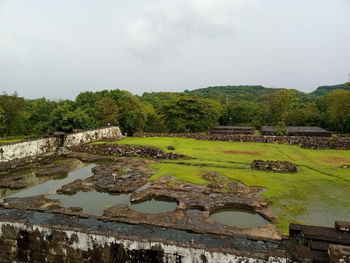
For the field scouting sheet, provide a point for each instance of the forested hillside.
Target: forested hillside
(324, 90)
(188, 111)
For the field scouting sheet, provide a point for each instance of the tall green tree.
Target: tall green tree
(64, 117)
(190, 114)
(338, 103)
(107, 111)
(154, 121)
(40, 111)
(304, 114)
(14, 118)
(279, 104)
(240, 112)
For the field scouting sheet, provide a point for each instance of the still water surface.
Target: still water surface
(240, 218)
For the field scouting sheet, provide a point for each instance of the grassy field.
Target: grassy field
(318, 194)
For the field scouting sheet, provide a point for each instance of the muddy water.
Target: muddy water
(240, 218)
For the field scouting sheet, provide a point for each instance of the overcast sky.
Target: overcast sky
(58, 48)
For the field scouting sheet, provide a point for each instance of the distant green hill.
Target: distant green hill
(227, 94)
(222, 93)
(238, 93)
(324, 90)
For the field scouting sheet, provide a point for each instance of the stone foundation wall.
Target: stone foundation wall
(100, 241)
(338, 143)
(13, 154)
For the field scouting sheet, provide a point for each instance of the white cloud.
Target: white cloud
(162, 25)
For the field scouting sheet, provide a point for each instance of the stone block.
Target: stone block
(338, 253)
(342, 226)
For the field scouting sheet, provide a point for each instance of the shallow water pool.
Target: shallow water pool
(240, 218)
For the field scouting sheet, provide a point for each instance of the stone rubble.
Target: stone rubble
(128, 151)
(274, 166)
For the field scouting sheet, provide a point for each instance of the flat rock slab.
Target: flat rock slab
(122, 175)
(210, 197)
(199, 222)
(40, 203)
(13, 182)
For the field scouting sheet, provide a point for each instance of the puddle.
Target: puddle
(51, 186)
(93, 203)
(154, 206)
(240, 218)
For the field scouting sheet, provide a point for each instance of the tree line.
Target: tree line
(189, 111)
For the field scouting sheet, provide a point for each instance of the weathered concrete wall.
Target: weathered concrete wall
(19, 150)
(79, 138)
(101, 241)
(38, 148)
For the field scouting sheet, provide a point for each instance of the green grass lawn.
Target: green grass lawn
(10, 139)
(318, 194)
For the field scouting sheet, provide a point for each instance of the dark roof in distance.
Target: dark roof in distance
(296, 128)
(231, 128)
(297, 131)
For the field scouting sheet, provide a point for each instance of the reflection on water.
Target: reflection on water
(50, 186)
(93, 203)
(240, 218)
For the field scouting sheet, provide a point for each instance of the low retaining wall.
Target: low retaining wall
(128, 151)
(31, 150)
(30, 236)
(338, 143)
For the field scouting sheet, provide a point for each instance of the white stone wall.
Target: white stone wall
(85, 241)
(74, 139)
(44, 146)
(49, 146)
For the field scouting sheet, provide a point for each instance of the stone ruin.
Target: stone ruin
(129, 151)
(307, 142)
(322, 244)
(274, 166)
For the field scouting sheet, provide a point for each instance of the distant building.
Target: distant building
(231, 130)
(297, 131)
